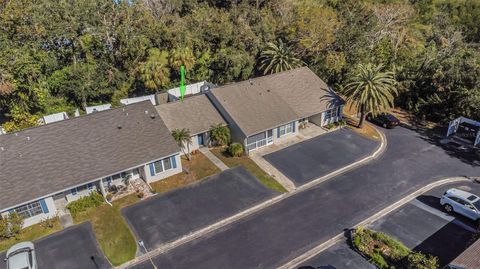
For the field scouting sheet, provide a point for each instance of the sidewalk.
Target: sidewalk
(213, 158)
(214, 227)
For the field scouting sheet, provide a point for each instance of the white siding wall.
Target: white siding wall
(149, 178)
(194, 145)
(52, 212)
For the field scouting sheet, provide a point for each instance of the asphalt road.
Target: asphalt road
(177, 213)
(421, 225)
(287, 229)
(71, 248)
(311, 159)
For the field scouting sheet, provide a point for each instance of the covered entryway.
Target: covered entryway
(324, 118)
(465, 130)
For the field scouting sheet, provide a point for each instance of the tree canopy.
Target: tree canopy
(61, 55)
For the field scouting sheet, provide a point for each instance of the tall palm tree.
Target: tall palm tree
(220, 134)
(277, 58)
(183, 139)
(154, 72)
(371, 90)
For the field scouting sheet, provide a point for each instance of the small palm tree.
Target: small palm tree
(220, 134)
(183, 139)
(371, 90)
(277, 58)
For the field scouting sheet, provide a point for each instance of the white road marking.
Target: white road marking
(442, 215)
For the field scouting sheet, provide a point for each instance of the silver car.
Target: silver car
(461, 202)
(21, 256)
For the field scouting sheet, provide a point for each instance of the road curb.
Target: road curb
(385, 211)
(257, 208)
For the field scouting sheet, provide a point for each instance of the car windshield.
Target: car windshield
(391, 117)
(19, 251)
(477, 204)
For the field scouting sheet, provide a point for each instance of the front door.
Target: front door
(200, 140)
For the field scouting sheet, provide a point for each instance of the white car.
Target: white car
(461, 202)
(21, 256)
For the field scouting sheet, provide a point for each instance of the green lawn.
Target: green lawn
(32, 233)
(112, 232)
(250, 166)
(199, 167)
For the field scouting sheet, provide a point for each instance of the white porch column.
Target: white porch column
(102, 188)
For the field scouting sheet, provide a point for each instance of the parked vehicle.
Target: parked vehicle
(385, 120)
(461, 202)
(21, 256)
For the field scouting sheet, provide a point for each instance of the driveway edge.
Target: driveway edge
(387, 210)
(222, 223)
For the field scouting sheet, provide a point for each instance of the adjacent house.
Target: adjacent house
(93, 109)
(264, 110)
(54, 118)
(196, 113)
(45, 167)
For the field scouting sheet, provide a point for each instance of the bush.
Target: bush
(93, 200)
(4, 231)
(417, 260)
(11, 225)
(381, 249)
(235, 149)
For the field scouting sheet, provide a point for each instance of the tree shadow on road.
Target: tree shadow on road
(465, 153)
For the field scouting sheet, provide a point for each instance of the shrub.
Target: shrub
(11, 225)
(48, 223)
(235, 149)
(417, 260)
(4, 231)
(93, 200)
(381, 249)
(220, 134)
(15, 223)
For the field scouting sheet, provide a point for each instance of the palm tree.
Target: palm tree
(154, 72)
(182, 56)
(220, 134)
(277, 58)
(371, 90)
(183, 138)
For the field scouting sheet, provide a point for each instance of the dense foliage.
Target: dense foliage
(387, 252)
(93, 200)
(235, 149)
(59, 55)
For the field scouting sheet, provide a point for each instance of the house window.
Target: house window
(73, 191)
(167, 163)
(90, 186)
(332, 113)
(158, 167)
(29, 210)
(285, 129)
(162, 165)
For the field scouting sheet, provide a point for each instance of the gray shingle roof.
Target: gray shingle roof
(266, 102)
(470, 258)
(195, 113)
(45, 159)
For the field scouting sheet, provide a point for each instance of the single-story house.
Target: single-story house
(196, 113)
(190, 90)
(265, 110)
(45, 167)
(133, 100)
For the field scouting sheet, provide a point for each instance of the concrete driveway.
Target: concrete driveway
(318, 156)
(421, 225)
(167, 217)
(71, 248)
(283, 231)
